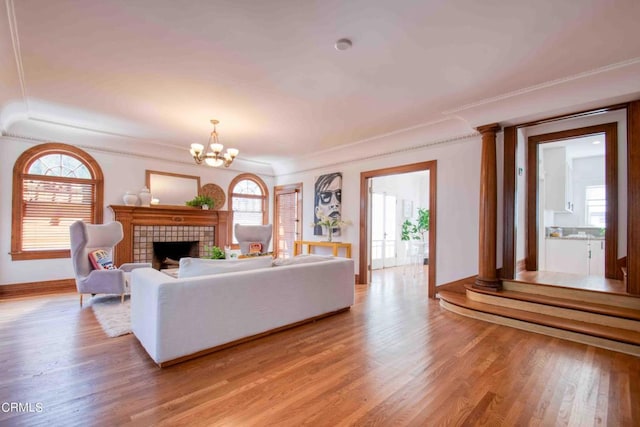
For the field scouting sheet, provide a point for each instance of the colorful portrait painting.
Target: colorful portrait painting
(328, 201)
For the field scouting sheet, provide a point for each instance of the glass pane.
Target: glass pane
(390, 218)
(59, 165)
(242, 204)
(377, 217)
(247, 186)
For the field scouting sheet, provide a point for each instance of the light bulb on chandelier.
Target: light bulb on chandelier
(214, 157)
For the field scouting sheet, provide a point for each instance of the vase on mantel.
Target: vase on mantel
(329, 234)
(130, 199)
(145, 197)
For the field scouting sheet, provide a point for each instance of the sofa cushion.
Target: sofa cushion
(191, 267)
(301, 259)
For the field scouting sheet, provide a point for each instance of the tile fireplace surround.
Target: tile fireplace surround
(144, 236)
(144, 225)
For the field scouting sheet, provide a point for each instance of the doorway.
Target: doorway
(383, 230)
(572, 205)
(288, 211)
(364, 267)
(552, 201)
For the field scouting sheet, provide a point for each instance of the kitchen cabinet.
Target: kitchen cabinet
(577, 256)
(558, 180)
(596, 257)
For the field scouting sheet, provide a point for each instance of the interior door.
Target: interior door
(383, 230)
(288, 211)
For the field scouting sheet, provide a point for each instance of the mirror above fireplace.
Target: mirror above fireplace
(172, 188)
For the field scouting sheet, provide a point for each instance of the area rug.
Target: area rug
(113, 316)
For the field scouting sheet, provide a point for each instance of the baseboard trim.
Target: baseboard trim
(457, 285)
(19, 290)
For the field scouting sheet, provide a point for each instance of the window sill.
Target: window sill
(30, 255)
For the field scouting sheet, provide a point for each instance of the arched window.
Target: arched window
(53, 186)
(248, 202)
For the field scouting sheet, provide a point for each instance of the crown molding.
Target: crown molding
(551, 83)
(383, 154)
(103, 150)
(15, 42)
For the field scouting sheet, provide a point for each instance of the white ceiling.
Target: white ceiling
(156, 71)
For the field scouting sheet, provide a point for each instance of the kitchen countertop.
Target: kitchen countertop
(576, 237)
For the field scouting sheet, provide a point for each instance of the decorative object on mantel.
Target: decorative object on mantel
(215, 192)
(213, 158)
(145, 197)
(130, 199)
(204, 202)
(330, 224)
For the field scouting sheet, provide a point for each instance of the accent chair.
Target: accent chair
(250, 234)
(87, 238)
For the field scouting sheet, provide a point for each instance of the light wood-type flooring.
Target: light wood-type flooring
(396, 358)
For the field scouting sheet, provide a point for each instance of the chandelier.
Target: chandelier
(214, 157)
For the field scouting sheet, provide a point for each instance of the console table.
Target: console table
(335, 246)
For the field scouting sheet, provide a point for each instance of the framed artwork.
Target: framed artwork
(327, 201)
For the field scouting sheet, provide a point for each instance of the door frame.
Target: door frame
(610, 130)
(431, 166)
(632, 259)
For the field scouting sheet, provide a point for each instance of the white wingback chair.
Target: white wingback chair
(86, 238)
(247, 234)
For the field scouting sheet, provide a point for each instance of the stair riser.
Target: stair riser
(546, 330)
(615, 300)
(565, 313)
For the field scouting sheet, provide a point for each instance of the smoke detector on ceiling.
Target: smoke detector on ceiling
(343, 44)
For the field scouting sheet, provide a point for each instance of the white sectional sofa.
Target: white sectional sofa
(176, 319)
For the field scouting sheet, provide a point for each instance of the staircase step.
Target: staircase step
(583, 295)
(573, 304)
(618, 339)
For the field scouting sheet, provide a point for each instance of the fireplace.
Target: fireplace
(146, 238)
(168, 254)
(143, 226)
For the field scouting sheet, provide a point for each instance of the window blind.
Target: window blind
(49, 207)
(287, 223)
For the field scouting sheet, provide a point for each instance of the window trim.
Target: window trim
(264, 197)
(20, 170)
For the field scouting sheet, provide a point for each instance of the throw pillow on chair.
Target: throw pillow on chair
(101, 260)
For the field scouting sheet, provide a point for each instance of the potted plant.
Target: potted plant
(330, 223)
(214, 252)
(204, 202)
(416, 230)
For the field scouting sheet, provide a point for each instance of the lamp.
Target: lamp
(214, 157)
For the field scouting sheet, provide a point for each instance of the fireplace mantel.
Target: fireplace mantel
(164, 215)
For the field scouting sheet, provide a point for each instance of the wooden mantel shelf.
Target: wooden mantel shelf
(131, 216)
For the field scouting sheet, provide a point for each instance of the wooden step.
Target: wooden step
(618, 339)
(583, 295)
(573, 304)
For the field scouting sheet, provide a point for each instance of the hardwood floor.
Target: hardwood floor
(396, 358)
(567, 280)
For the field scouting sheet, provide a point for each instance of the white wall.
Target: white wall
(121, 173)
(458, 176)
